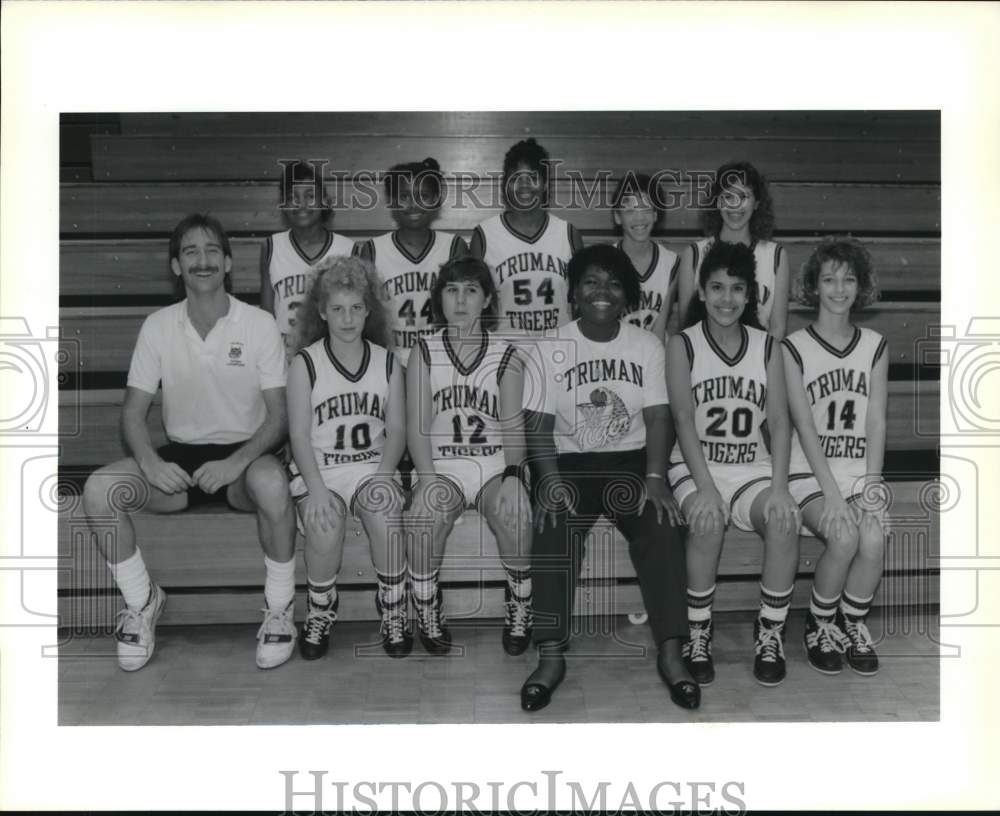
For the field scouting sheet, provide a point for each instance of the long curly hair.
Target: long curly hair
(341, 272)
(762, 220)
(739, 262)
(840, 250)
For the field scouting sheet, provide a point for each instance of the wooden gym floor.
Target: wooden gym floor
(205, 675)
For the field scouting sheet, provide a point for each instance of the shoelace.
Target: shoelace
(769, 645)
(394, 625)
(858, 636)
(276, 622)
(431, 617)
(699, 647)
(129, 621)
(318, 623)
(827, 635)
(518, 617)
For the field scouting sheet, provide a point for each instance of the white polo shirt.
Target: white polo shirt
(597, 391)
(212, 387)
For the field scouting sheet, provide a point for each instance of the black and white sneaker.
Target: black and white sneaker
(434, 635)
(276, 636)
(860, 650)
(315, 639)
(397, 637)
(518, 619)
(769, 661)
(824, 644)
(697, 653)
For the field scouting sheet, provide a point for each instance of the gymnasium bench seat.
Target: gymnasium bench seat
(210, 562)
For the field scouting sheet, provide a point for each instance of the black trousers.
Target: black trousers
(608, 484)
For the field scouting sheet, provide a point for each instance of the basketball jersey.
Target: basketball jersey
(655, 283)
(529, 272)
(729, 395)
(767, 255)
(289, 268)
(408, 280)
(837, 385)
(348, 410)
(465, 400)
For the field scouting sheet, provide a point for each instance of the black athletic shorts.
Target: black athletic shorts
(192, 457)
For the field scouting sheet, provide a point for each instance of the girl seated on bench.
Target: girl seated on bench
(725, 384)
(346, 418)
(466, 437)
(837, 378)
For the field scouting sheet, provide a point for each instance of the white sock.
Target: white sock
(132, 579)
(424, 586)
(279, 583)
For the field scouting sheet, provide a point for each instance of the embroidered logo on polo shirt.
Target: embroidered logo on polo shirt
(235, 354)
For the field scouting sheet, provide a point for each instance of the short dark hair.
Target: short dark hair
(635, 185)
(840, 250)
(741, 172)
(739, 262)
(303, 172)
(202, 221)
(414, 174)
(465, 268)
(610, 259)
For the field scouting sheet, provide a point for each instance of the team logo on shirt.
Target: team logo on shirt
(235, 354)
(605, 419)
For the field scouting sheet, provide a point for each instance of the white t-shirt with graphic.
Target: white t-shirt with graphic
(597, 391)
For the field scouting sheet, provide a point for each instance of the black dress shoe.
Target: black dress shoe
(535, 696)
(683, 693)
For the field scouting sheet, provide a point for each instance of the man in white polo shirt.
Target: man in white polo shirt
(222, 367)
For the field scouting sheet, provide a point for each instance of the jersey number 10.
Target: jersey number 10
(361, 437)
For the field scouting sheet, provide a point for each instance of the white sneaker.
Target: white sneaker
(135, 631)
(276, 636)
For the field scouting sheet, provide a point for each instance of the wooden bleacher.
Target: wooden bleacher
(874, 174)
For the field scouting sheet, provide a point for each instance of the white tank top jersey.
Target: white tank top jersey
(288, 266)
(348, 410)
(655, 283)
(837, 385)
(408, 280)
(768, 255)
(597, 391)
(529, 273)
(730, 396)
(465, 400)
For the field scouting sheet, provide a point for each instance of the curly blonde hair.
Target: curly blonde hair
(342, 272)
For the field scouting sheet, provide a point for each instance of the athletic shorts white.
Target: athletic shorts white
(738, 485)
(470, 476)
(804, 488)
(345, 482)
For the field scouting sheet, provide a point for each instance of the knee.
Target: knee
(843, 543)
(268, 486)
(106, 492)
(871, 543)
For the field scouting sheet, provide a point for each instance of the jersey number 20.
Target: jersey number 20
(742, 423)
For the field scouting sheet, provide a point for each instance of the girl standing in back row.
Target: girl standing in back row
(740, 211)
(526, 248)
